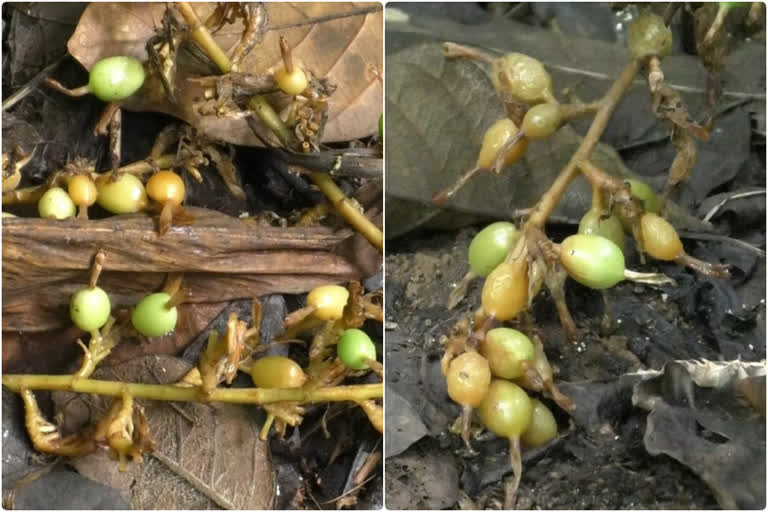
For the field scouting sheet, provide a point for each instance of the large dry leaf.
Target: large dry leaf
(208, 457)
(342, 42)
(438, 110)
(45, 262)
(698, 417)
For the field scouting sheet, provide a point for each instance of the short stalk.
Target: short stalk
(453, 50)
(285, 51)
(98, 263)
(444, 195)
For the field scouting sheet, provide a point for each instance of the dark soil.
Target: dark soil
(602, 465)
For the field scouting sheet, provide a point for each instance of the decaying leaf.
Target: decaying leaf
(339, 41)
(712, 52)
(668, 104)
(438, 110)
(45, 262)
(403, 428)
(434, 137)
(696, 417)
(684, 160)
(205, 455)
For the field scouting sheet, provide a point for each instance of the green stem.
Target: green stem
(169, 392)
(347, 210)
(203, 37)
(267, 114)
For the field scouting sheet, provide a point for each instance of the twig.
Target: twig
(360, 162)
(453, 50)
(572, 111)
(347, 210)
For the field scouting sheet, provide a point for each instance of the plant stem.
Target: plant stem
(573, 111)
(454, 50)
(551, 197)
(347, 210)
(722, 12)
(267, 114)
(598, 178)
(75, 93)
(285, 51)
(170, 392)
(203, 37)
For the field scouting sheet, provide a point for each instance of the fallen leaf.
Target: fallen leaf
(342, 42)
(696, 418)
(45, 262)
(437, 112)
(209, 457)
(404, 427)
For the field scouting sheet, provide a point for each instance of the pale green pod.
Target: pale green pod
(55, 203)
(543, 427)
(125, 195)
(490, 246)
(89, 308)
(505, 350)
(152, 318)
(507, 410)
(521, 77)
(541, 120)
(354, 348)
(116, 78)
(645, 193)
(594, 223)
(592, 260)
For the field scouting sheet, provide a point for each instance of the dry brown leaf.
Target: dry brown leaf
(224, 258)
(206, 455)
(685, 159)
(339, 41)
